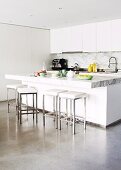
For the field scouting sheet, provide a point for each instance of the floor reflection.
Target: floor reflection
(31, 146)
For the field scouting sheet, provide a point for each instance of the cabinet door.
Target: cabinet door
(104, 36)
(56, 41)
(72, 39)
(116, 35)
(89, 37)
(76, 38)
(66, 39)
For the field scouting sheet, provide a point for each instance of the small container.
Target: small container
(44, 67)
(42, 74)
(94, 67)
(70, 74)
(90, 68)
(64, 72)
(54, 75)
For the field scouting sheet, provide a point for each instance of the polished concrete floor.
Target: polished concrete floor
(32, 147)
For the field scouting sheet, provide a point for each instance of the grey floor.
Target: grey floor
(31, 147)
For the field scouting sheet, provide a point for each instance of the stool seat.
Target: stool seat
(14, 86)
(72, 95)
(26, 90)
(53, 92)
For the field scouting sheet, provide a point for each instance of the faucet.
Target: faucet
(76, 68)
(113, 63)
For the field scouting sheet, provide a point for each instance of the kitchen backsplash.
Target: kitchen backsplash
(84, 59)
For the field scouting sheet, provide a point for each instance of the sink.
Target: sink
(110, 71)
(107, 71)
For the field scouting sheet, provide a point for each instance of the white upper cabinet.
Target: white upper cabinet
(89, 38)
(76, 37)
(66, 39)
(72, 41)
(94, 37)
(56, 41)
(104, 36)
(116, 35)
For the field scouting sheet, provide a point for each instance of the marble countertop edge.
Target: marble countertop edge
(97, 81)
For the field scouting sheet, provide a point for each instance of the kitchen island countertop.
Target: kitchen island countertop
(98, 80)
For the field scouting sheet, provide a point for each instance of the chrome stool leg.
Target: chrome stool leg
(54, 109)
(18, 106)
(8, 99)
(16, 99)
(43, 110)
(27, 104)
(33, 106)
(73, 116)
(56, 112)
(84, 112)
(59, 113)
(20, 109)
(36, 110)
(54, 104)
(67, 110)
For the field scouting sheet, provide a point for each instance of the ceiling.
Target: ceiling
(57, 13)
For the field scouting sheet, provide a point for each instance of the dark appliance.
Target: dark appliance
(59, 64)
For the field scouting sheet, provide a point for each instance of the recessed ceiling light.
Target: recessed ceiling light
(30, 15)
(60, 8)
(10, 21)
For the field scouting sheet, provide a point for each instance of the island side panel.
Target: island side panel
(113, 103)
(97, 105)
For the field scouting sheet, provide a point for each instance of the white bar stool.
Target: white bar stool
(54, 93)
(73, 96)
(27, 92)
(12, 87)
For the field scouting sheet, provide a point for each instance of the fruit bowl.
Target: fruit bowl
(41, 73)
(84, 77)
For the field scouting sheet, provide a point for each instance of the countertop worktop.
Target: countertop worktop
(99, 79)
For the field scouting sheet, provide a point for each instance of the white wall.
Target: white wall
(22, 50)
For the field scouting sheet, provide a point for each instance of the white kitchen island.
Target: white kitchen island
(104, 100)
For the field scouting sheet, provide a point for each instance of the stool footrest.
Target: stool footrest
(29, 112)
(71, 117)
(27, 107)
(50, 114)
